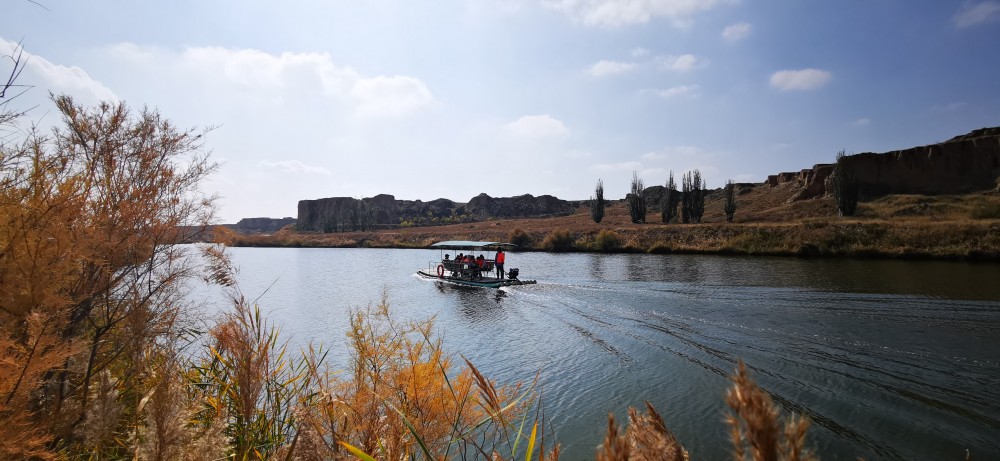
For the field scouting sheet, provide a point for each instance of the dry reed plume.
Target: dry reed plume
(755, 423)
(646, 438)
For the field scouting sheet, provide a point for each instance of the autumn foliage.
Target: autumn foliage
(89, 277)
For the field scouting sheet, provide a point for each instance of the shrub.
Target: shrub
(519, 237)
(90, 275)
(660, 248)
(607, 240)
(558, 240)
(988, 211)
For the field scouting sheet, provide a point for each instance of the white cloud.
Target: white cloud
(639, 52)
(683, 63)
(863, 121)
(972, 14)
(56, 78)
(537, 127)
(256, 75)
(604, 68)
(390, 96)
(952, 107)
(293, 166)
(690, 91)
(799, 80)
(737, 32)
(614, 13)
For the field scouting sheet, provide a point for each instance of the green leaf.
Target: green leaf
(355, 451)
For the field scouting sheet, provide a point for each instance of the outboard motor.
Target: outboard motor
(512, 273)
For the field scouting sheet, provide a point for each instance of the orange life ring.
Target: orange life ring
(440, 270)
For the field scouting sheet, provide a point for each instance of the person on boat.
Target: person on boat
(447, 257)
(481, 261)
(499, 263)
(467, 263)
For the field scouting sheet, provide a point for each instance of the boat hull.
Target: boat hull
(485, 282)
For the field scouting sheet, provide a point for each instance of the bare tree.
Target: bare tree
(17, 62)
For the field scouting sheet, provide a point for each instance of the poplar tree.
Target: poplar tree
(597, 202)
(845, 186)
(636, 202)
(671, 197)
(730, 205)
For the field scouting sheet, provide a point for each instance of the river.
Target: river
(889, 359)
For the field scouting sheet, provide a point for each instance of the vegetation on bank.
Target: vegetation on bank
(977, 240)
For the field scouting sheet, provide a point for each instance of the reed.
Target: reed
(756, 429)
(247, 380)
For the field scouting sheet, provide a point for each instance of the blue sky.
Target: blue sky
(429, 99)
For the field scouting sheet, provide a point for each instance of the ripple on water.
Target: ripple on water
(891, 360)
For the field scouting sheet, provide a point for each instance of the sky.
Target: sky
(428, 99)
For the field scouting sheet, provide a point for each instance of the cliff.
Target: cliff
(335, 214)
(521, 206)
(963, 164)
(260, 225)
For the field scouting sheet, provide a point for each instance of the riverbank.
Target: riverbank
(945, 236)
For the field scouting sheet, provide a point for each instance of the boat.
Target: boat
(471, 274)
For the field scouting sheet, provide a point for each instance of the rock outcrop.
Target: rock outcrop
(335, 214)
(521, 206)
(260, 225)
(963, 164)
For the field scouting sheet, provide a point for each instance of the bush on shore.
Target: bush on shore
(558, 240)
(607, 240)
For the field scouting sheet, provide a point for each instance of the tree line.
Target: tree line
(690, 199)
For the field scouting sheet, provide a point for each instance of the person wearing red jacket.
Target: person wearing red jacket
(499, 263)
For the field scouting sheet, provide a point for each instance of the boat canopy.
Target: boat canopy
(467, 244)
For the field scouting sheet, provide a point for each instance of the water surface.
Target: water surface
(890, 359)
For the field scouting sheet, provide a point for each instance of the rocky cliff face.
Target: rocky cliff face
(333, 213)
(260, 225)
(963, 164)
(525, 205)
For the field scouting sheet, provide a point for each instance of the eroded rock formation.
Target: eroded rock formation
(963, 164)
(335, 214)
(260, 225)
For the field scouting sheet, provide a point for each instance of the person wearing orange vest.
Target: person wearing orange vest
(499, 263)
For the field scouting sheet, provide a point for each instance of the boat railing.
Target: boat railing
(452, 268)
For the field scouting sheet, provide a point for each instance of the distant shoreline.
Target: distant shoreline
(816, 238)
